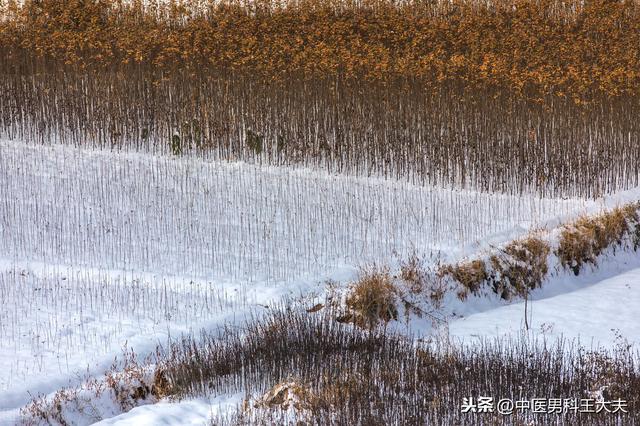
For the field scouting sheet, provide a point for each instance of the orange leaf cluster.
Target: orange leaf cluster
(571, 48)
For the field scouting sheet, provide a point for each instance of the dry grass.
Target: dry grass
(513, 270)
(631, 212)
(413, 273)
(418, 280)
(584, 240)
(127, 387)
(161, 385)
(285, 395)
(372, 299)
(346, 376)
(328, 373)
(521, 266)
(472, 275)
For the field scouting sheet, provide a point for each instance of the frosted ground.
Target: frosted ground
(99, 250)
(208, 219)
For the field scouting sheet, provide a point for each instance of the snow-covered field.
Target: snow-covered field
(61, 205)
(99, 250)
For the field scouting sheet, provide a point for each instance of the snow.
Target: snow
(188, 412)
(104, 250)
(66, 323)
(595, 315)
(207, 219)
(557, 311)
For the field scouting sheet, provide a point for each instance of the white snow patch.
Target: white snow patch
(597, 315)
(188, 412)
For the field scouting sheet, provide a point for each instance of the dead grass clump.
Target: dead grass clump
(119, 391)
(413, 273)
(520, 267)
(330, 390)
(161, 386)
(630, 212)
(583, 241)
(333, 391)
(470, 274)
(419, 280)
(575, 247)
(129, 387)
(372, 300)
(51, 411)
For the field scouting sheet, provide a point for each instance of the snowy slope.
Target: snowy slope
(596, 315)
(60, 324)
(186, 216)
(190, 412)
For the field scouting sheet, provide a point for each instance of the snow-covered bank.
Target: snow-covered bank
(596, 314)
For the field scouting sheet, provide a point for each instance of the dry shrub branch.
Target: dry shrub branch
(531, 95)
(449, 136)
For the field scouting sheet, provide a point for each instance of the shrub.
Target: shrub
(438, 92)
(345, 376)
(371, 300)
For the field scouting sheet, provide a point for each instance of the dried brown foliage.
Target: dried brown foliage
(472, 275)
(286, 395)
(127, 385)
(571, 48)
(523, 264)
(520, 267)
(419, 280)
(371, 300)
(161, 385)
(413, 273)
(503, 96)
(584, 240)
